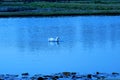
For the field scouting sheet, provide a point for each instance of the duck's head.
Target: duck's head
(57, 38)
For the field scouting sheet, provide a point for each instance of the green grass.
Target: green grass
(57, 13)
(71, 8)
(68, 5)
(83, 6)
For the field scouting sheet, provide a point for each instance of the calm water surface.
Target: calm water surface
(87, 44)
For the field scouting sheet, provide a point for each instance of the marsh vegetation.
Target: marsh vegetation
(56, 8)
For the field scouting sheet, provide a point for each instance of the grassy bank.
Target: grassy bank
(59, 9)
(42, 14)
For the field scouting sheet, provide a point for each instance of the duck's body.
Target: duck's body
(53, 39)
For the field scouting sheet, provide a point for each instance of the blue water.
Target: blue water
(87, 44)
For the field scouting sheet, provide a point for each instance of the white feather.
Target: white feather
(53, 39)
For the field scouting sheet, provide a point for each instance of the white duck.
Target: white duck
(53, 39)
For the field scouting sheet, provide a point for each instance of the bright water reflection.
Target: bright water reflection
(87, 44)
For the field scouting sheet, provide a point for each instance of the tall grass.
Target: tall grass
(81, 6)
(60, 8)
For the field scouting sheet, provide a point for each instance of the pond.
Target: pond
(87, 44)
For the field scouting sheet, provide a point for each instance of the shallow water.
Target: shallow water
(87, 44)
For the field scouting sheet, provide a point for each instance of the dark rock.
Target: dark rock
(40, 78)
(66, 74)
(63, 76)
(25, 74)
(97, 73)
(48, 76)
(94, 76)
(24, 77)
(89, 76)
(56, 77)
(83, 76)
(6, 77)
(2, 76)
(115, 73)
(73, 77)
(10, 75)
(15, 75)
(33, 78)
(73, 73)
(98, 78)
(60, 76)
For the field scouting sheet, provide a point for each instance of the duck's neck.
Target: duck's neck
(57, 38)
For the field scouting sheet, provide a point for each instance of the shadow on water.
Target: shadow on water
(100, 35)
(92, 35)
(115, 35)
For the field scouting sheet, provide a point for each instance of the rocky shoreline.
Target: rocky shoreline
(62, 76)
